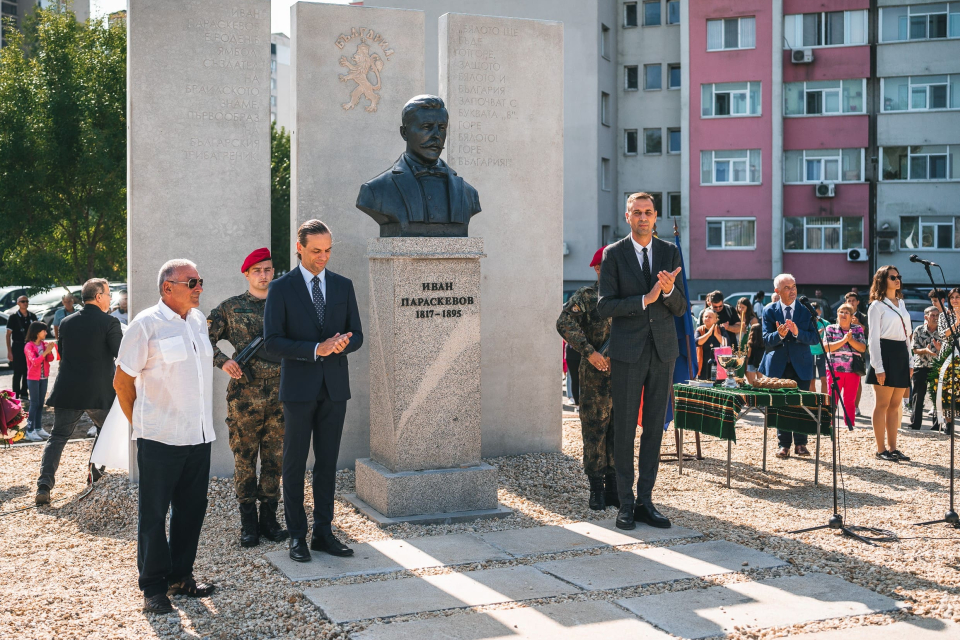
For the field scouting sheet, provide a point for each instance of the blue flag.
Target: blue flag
(686, 367)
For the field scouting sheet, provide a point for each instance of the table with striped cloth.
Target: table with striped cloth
(715, 410)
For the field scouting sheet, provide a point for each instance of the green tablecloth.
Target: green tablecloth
(714, 411)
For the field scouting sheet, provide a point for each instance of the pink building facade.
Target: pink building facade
(804, 115)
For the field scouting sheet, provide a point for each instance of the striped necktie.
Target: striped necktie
(318, 302)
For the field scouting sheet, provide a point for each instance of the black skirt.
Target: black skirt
(896, 364)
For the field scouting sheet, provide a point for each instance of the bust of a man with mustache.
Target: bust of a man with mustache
(420, 195)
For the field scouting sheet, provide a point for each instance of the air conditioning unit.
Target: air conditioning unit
(826, 190)
(801, 56)
(857, 255)
(887, 245)
(566, 249)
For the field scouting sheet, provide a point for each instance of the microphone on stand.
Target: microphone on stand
(919, 260)
(805, 301)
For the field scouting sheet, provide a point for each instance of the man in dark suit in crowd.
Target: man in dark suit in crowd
(311, 321)
(88, 342)
(639, 290)
(788, 332)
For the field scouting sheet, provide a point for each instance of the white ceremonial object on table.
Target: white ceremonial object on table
(112, 449)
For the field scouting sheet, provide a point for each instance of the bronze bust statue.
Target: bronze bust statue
(420, 195)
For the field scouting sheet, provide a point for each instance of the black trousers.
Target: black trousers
(651, 379)
(786, 438)
(64, 422)
(19, 366)
(573, 368)
(323, 420)
(918, 395)
(172, 479)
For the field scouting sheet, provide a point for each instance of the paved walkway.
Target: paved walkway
(568, 582)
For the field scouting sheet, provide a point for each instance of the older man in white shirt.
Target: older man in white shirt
(164, 384)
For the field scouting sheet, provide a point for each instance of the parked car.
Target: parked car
(45, 305)
(734, 298)
(9, 295)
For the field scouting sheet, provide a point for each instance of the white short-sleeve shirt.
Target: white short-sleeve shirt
(172, 360)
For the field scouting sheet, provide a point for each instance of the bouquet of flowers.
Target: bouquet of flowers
(13, 418)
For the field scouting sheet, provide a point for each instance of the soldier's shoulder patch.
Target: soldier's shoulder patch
(209, 321)
(575, 308)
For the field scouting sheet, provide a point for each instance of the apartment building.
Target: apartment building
(281, 110)
(918, 134)
(18, 10)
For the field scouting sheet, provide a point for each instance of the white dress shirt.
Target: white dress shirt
(886, 322)
(308, 278)
(638, 249)
(172, 361)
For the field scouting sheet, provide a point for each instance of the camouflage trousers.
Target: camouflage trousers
(255, 422)
(596, 420)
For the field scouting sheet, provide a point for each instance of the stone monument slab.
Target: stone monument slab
(198, 153)
(353, 69)
(502, 81)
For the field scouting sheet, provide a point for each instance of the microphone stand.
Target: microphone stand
(950, 517)
(836, 520)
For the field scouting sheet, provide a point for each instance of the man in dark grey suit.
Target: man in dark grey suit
(639, 291)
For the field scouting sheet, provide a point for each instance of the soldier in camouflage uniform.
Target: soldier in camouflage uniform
(254, 413)
(584, 330)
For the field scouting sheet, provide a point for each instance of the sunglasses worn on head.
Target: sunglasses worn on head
(191, 283)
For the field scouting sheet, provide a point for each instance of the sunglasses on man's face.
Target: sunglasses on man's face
(23, 302)
(191, 283)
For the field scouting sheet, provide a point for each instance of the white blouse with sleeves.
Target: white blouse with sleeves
(886, 322)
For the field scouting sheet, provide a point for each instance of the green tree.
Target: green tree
(280, 197)
(63, 151)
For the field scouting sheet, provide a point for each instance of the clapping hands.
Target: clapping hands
(788, 326)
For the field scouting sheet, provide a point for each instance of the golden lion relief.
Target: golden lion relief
(364, 64)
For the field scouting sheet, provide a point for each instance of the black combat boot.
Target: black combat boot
(269, 527)
(610, 494)
(249, 533)
(597, 502)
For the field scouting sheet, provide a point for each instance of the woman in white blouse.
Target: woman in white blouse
(890, 370)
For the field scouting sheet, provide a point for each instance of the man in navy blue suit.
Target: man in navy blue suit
(788, 332)
(311, 321)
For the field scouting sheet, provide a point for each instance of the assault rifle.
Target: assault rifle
(246, 355)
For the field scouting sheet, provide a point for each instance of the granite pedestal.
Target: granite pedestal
(424, 338)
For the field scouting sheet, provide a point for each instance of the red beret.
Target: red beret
(257, 255)
(598, 256)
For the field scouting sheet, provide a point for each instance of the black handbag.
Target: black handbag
(858, 364)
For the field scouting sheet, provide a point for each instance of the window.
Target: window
(629, 14)
(673, 12)
(731, 33)
(673, 140)
(921, 93)
(932, 162)
(731, 233)
(605, 174)
(730, 99)
(273, 66)
(631, 78)
(651, 77)
(651, 13)
(9, 9)
(929, 232)
(920, 22)
(657, 202)
(605, 41)
(823, 165)
(827, 97)
(673, 76)
(673, 204)
(273, 101)
(814, 233)
(605, 108)
(830, 29)
(606, 234)
(630, 142)
(730, 167)
(652, 143)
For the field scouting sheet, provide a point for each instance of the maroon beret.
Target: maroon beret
(598, 256)
(257, 255)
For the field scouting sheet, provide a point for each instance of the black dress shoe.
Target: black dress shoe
(328, 543)
(159, 603)
(299, 551)
(625, 517)
(191, 588)
(648, 514)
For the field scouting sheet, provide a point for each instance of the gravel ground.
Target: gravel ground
(69, 571)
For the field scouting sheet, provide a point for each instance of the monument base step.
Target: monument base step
(398, 494)
(430, 518)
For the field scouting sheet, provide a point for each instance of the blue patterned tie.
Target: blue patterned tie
(788, 313)
(318, 302)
